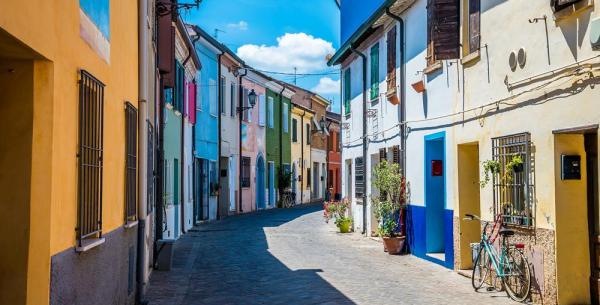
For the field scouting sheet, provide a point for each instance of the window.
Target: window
(308, 177)
(391, 62)
(285, 117)
(246, 171)
(212, 96)
(375, 71)
(512, 196)
(262, 110)
(443, 38)
(91, 139)
(396, 158)
(270, 113)
(233, 97)
(359, 179)
(198, 93)
(473, 37)
(330, 179)
(131, 123)
(347, 91)
(222, 85)
(179, 87)
(213, 178)
(308, 134)
(294, 130)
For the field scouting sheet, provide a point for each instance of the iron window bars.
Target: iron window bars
(246, 171)
(513, 192)
(131, 123)
(89, 157)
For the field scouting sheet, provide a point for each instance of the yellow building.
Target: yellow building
(301, 137)
(68, 76)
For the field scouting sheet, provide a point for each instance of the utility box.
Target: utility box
(570, 167)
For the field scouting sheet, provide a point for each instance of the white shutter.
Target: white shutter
(270, 110)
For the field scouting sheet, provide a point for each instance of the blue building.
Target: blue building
(206, 135)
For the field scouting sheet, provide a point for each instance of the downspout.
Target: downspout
(402, 106)
(240, 116)
(220, 91)
(280, 169)
(364, 133)
(141, 258)
(182, 168)
(302, 157)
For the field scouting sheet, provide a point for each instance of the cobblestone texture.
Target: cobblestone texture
(290, 256)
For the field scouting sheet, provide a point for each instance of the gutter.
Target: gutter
(280, 134)
(240, 116)
(364, 133)
(402, 106)
(302, 157)
(220, 91)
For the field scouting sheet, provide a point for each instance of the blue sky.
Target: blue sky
(278, 35)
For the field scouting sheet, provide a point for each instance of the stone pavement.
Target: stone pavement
(290, 256)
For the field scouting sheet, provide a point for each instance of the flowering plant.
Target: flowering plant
(388, 206)
(337, 210)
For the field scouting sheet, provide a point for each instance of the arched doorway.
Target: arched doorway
(260, 183)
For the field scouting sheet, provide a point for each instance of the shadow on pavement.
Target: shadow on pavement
(228, 262)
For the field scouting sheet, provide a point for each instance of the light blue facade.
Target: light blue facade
(206, 141)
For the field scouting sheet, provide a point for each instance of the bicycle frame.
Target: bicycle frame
(499, 261)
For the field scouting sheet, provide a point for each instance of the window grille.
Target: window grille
(246, 171)
(91, 123)
(131, 117)
(513, 192)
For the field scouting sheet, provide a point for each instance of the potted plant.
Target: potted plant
(389, 206)
(284, 184)
(339, 211)
(490, 167)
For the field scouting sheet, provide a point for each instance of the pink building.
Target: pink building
(253, 162)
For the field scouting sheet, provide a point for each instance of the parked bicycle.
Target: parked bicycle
(288, 199)
(509, 264)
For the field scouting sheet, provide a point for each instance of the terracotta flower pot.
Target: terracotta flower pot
(419, 86)
(394, 245)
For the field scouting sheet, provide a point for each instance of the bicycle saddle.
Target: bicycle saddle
(506, 232)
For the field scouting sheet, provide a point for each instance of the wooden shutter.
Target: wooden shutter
(396, 154)
(359, 183)
(391, 61)
(347, 91)
(375, 71)
(443, 29)
(382, 154)
(166, 47)
(474, 25)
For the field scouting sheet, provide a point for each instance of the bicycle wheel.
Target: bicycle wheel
(481, 269)
(517, 282)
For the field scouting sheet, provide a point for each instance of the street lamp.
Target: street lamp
(251, 101)
(164, 8)
(322, 124)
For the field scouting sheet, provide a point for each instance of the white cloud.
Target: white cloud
(327, 85)
(299, 50)
(242, 25)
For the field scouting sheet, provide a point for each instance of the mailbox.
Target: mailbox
(570, 167)
(437, 168)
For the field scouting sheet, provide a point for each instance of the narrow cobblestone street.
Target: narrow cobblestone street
(290, 256)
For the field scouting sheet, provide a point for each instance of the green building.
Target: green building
(278, 136)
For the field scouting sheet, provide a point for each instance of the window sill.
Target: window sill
(573, 9)
(130, 224)
(89, 244)
(471, 58)
(433, 67)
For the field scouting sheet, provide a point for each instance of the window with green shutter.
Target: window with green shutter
(347, 91)
(375, 71)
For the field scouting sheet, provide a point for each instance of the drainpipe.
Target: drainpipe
(240, 115)
(302, 157)
(182, 168)
(402, 106)
(141, 261)
(280, 135)
(220, 91)
(364, 133)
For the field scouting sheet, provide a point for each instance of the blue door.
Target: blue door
(435, 192)
(260, 183)
(271, 183)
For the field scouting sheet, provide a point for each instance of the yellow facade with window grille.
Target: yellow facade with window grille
(44, 45)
